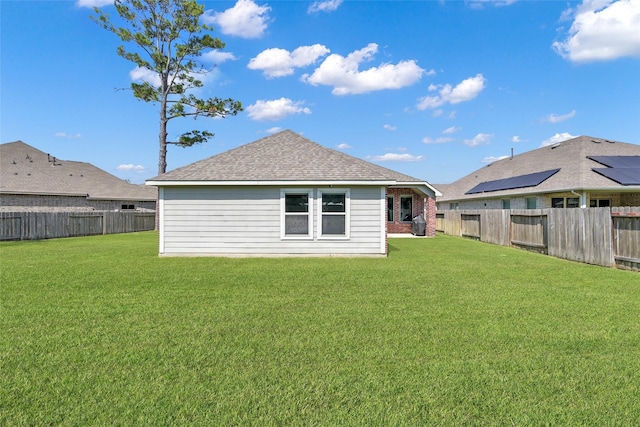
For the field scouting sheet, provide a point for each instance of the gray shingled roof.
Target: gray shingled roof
(27, 170)
(570, 156)
(284, 156)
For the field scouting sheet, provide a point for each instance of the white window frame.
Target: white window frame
(283, 213)
(347, 214)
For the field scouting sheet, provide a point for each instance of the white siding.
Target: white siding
(246, 220)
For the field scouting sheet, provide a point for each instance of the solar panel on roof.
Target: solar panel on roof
(521, 181)
(623, 176)
(617, 161)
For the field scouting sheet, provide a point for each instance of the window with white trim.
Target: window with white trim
(333, 213)
(297, 214)
(390, 208)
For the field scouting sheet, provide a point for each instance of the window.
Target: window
(390, 208)
(333, 213)
(296, 213)
(569, 202)
(453, 206)
(506, 204)
(127, 207)
(599, 203)
(531, 202)
(573, 202)
(406, 208)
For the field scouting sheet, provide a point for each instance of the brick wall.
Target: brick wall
(47, 203)
(420, 205)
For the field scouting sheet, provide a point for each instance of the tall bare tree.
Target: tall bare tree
(168, 39)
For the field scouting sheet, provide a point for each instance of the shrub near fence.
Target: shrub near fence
(601, 236)
(50, 225)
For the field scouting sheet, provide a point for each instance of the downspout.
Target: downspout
(582, 196)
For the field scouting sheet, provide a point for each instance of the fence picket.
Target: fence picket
(49, 225)
(601, 236)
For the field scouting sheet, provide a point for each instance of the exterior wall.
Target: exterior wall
(50, 203)
(542, 201)
(430, 217)
(247, 220)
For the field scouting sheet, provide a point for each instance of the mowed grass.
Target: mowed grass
(445, 331)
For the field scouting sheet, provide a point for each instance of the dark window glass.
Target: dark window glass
(557, 202)
(333, 203)
(296, 203)
(333, 224)
(406, 208)
(390, 209)
(296, 224)
(573, 202)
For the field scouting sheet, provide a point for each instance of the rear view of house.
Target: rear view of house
(287, 195)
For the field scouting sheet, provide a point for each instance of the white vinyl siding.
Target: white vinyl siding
(247, 220)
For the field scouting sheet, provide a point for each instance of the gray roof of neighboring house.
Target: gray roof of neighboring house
(284, 156)
(27, 170)
(570, 156)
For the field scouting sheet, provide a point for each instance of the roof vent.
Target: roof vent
(610, 142)
(596, 141)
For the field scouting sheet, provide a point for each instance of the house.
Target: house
(579, 172)
(32, 180)
(287, 195)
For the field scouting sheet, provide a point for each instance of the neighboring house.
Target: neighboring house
(580, 172)
(287, 195)
(31, 180)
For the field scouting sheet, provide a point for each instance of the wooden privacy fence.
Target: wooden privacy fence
(608, 237)
(50, 225)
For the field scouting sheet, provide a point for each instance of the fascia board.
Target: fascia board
(265, 183)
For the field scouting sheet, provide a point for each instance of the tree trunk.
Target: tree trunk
(162, 136)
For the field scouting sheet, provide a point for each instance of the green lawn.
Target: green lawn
(445, 331)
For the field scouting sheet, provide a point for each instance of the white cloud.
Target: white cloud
(553, 118)
(439, 140)
(451, 130)
(516, 139)
(602, 30)
(389, 127)
(324, 6)
(144, 75)
(343, 74)
(246, 19)
(276, 109)
(277, 62)
(394, 157)
(218, 57)
(344, 146)
(466, 90)
(479, 4)
(68, 135)
(93, 3)
(479, 139)
(274, 129)
(557, 138)
(491, 159)
(132, 168)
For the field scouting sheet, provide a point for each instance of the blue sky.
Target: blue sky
(433, 89)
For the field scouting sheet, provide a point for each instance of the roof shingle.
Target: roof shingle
(284, 156)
